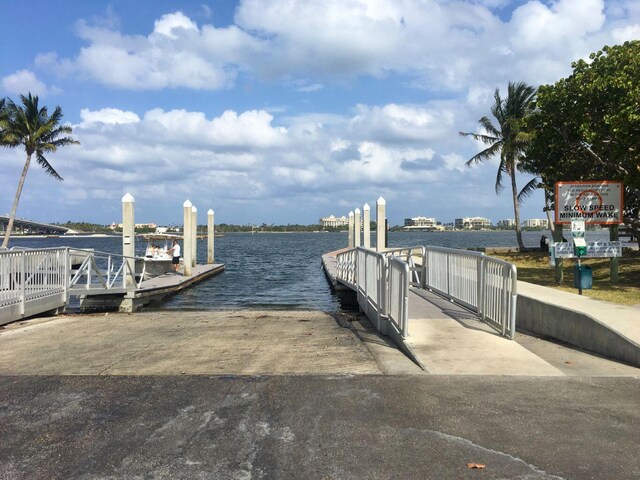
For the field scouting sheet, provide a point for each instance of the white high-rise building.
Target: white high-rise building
(472, 223)
(333, 222)
(536, 223)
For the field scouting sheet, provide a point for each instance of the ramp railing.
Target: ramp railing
(398, 289)
(32, 281)
(485, 285)
(382, 285)
(104, 271)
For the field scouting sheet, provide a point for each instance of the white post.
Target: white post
(187, 243)
(367, 225)
(210, 236)
(350, 245)
(194, 238)
(129, 237)
(356, 229)
(381, 224)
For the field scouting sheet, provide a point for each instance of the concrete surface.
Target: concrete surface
(174, 343)
(318, 427)
(450, 340)
(601, 327)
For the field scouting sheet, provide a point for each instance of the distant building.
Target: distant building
(536, 223)
(421, 223)
(507, 223)
(472, 223)
(333, 222)
(137, 225)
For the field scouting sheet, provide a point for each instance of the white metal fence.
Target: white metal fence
(31, 276)
(34, 281)
(485, 285)
(382, 285)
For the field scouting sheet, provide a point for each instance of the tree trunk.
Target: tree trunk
(557, 237)
(14, 208)
(613, 266)
(547, 208)
(516, 210)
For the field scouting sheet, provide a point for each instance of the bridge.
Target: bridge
(28, 227)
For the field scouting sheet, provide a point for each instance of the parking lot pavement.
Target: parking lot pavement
(318, 426)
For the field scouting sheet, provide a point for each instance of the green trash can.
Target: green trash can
(582, 277)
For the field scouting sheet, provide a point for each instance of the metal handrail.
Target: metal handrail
(485, 285)
(89, 268)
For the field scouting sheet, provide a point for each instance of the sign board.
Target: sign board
(594, 250)
(594, 202)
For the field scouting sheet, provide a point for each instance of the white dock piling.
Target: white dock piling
(210, 236)
(357, 229)
(129, 236)
(367, 225)
(194, 236)
(381, 224)
(350, 243)
(187, 242)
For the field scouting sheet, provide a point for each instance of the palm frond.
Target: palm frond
(47, 166)
(528, 189)
(499, 185)
(485, 154)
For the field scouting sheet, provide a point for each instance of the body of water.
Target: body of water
(281, 270)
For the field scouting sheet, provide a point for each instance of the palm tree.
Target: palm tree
(32, 127)
(507, 139)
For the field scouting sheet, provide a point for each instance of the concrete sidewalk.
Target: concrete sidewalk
(449, 340)
(605, 328)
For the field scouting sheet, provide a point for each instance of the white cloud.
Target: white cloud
(173, 21)
(624, 34)
(451, 45)
(110, 116)
(25, 81)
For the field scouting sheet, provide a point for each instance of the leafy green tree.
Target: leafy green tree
(507, 139)
(39, 133)
(587, 126)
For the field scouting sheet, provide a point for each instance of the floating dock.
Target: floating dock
(151, 290)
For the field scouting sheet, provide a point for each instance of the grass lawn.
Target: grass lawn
(534, 267)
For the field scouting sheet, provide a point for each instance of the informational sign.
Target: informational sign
(577, 233)
(594, 202)
(594, 250)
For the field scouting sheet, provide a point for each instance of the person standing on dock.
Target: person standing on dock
(175, 253)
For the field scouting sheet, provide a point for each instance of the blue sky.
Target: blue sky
(282, 111)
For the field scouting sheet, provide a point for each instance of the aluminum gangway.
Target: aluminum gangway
(34, 281)
(484, 285)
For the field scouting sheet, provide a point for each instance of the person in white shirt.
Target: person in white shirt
(174, 251)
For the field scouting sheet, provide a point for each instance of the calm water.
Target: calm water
(281, 270)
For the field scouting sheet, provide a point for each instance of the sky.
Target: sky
(282, 111)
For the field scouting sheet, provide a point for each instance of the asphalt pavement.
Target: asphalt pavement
(318, 427)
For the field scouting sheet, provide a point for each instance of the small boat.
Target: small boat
(157, 260)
